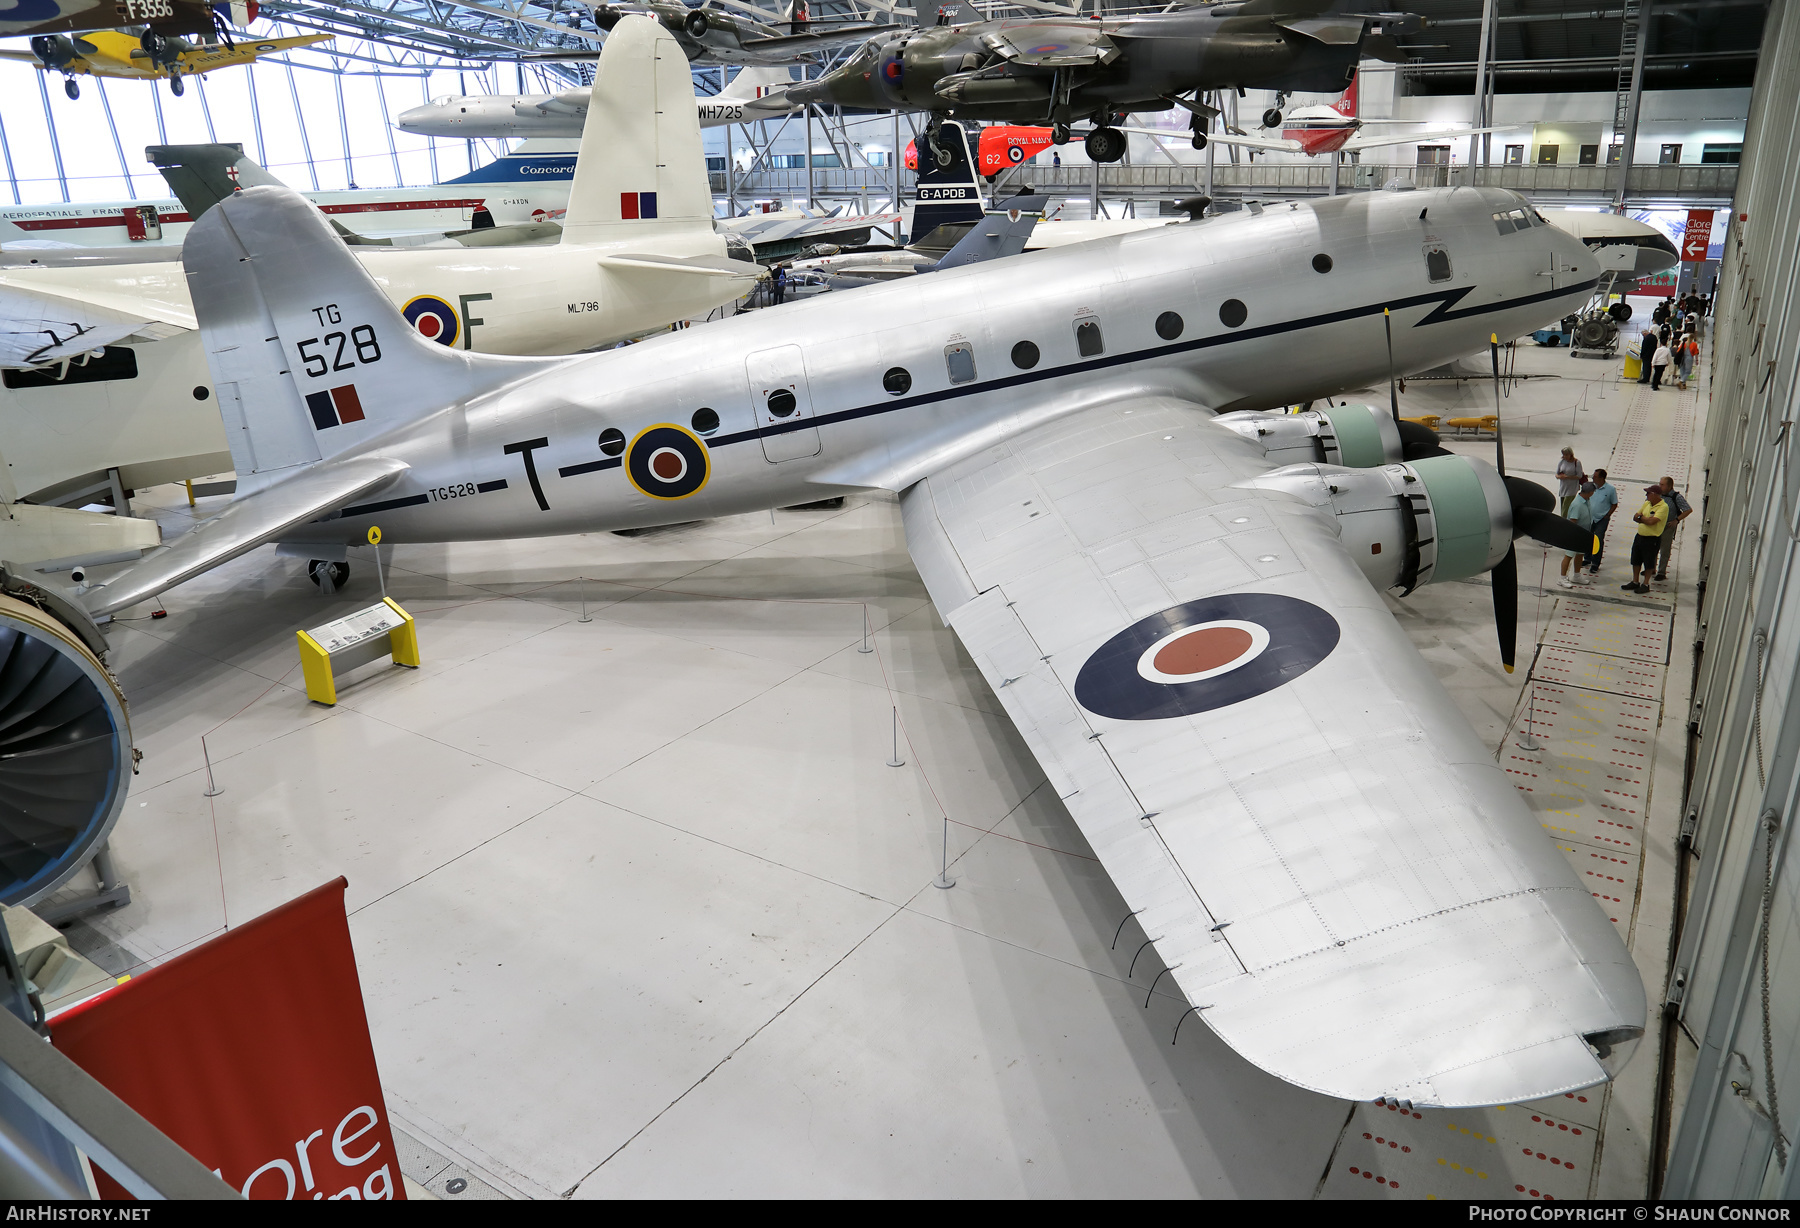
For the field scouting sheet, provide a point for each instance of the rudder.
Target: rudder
(642, 167)
(308, 356)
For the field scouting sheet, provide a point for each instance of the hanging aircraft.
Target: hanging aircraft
(529, 185)
(755, 93)
(1062, 70)
(146, 56)
(107, 370)
(1326, 129)
(709, 34)
(1177, 598)
(47, 17)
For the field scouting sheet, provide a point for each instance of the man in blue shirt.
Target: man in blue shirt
(1582, 514)
(1679, 510)
(1602, 503)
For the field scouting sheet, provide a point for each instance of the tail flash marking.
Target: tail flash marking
(637, 205)
(335, 407)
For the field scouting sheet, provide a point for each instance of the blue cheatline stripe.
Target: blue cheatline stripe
(1445, 301)
(605, 462)
(386, 505)
(482, 488)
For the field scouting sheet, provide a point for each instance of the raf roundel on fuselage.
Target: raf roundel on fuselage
(1204, 655)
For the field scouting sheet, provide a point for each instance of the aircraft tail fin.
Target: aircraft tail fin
(642, 167)
(948, 191)
(999, 234)
(308, 356)
(752, 83)
(203, 175)
(956, 13)
(1346, 106)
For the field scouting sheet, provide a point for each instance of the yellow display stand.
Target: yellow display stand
(1634, 367)
(380, 630)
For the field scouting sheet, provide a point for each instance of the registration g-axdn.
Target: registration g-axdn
(1177, 598)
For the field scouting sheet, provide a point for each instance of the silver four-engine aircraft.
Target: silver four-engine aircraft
(1176, 597)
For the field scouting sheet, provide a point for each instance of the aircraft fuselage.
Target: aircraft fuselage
(1259, 326)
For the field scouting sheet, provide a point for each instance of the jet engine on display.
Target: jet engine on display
(66, 757)
(1174, 601)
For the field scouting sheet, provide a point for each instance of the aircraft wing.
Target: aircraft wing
(250, 521)
(815, 38)
(1052, 44)
(1335, 872)
(203, 59)
(38, 328)
(22, 56)
(1279, 144)
(1359, 141)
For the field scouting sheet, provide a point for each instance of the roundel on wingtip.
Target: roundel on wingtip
(667, 462)
(432, 318)
(1204, 655)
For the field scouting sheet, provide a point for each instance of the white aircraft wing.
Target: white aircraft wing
(1360, 141)
(1277, 144)
(1333, 869)
(251, 520)
(38, 328)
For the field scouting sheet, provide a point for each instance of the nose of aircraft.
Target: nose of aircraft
(412, 119)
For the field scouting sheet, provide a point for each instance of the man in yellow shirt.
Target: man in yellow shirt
(1651, 520)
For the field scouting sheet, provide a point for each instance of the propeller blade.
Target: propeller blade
(1506, 605)
(1499, 443)
(1418, 441)
(1552, 530)
(1387, 321)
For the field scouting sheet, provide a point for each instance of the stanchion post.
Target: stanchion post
(581, 586)
(1527, 741)
(896, 761)
(212, 789)
(943, 881)
(865, 644)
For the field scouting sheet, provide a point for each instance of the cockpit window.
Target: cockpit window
(445, 101)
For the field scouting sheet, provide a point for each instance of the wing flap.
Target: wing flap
(1326, 858)
(249, 522)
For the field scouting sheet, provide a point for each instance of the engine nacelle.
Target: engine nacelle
(1360, 436)
(1421, 522)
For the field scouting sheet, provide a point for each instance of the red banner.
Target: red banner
(252, 1052)
(1698, 236)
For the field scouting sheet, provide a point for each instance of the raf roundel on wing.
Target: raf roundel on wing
(1203, 655)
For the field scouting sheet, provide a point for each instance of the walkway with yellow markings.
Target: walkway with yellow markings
(1583, 749)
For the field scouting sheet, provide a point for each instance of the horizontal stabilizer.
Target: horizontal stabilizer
(246, 524)
(1332, 31)
(692, 266)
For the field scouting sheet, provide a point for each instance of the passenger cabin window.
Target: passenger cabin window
(897, 381)
(781, 403)
(1087, 337)
(118, 362)
(1437, 263)
(959, 359)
